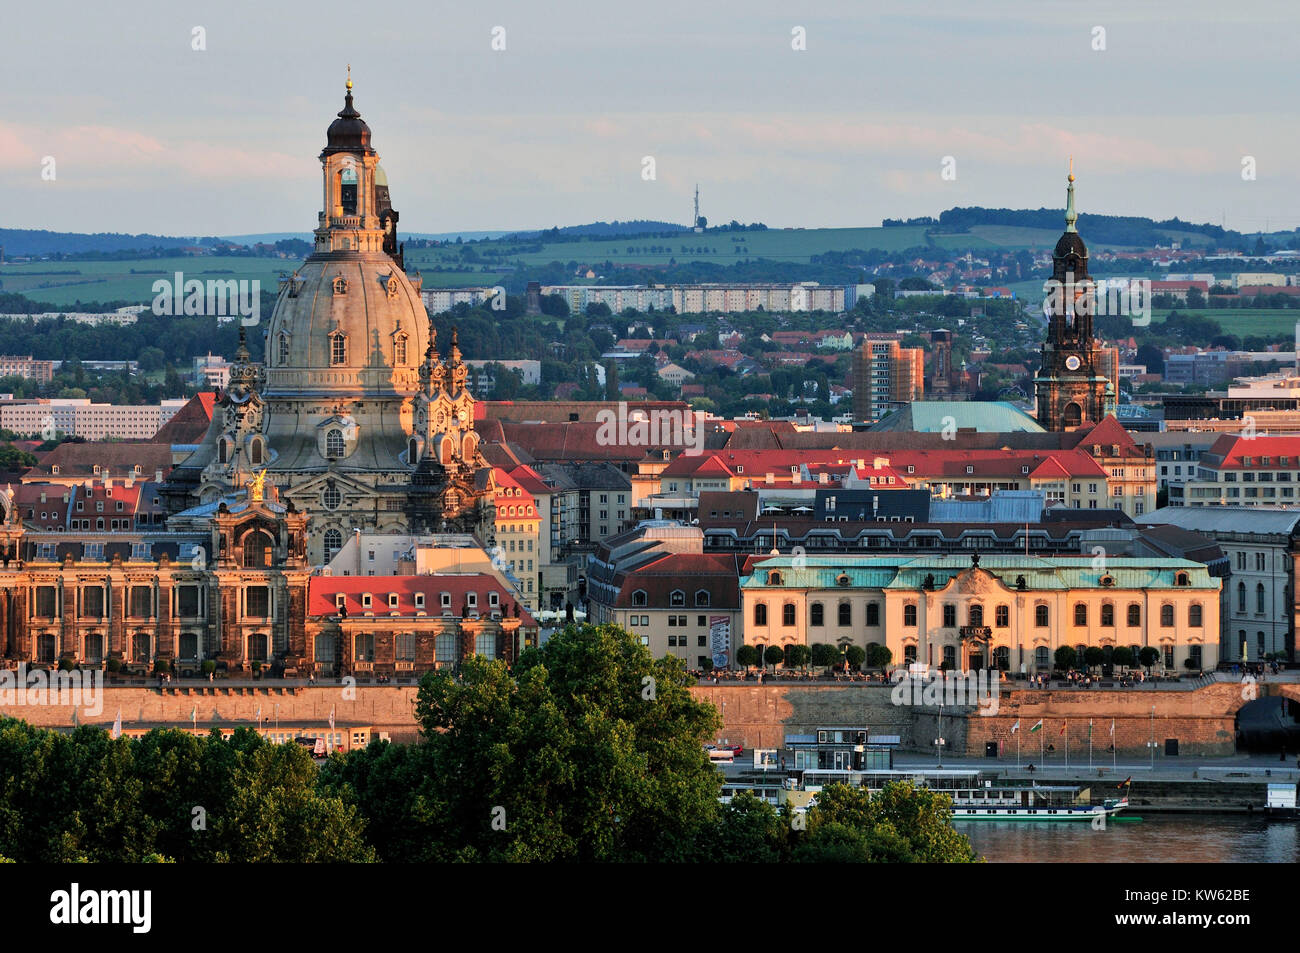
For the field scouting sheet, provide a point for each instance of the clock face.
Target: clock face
(1072, 362)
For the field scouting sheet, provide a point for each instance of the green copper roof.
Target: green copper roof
(932, 416)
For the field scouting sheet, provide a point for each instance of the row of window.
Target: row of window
(675, 599)
(367, 600)
(446, 647)
(975, 615)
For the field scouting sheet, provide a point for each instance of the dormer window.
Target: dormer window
(471, 600)
(774, 578)
(365, 600)
(494, 598)
(340, 600)
(392, 600)
(702, 597)
(334, 443)
(419, 600)
(445, 599)
(639, 598)
(677, 598)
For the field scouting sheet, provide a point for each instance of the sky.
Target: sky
(149, 134)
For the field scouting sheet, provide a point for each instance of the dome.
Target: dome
(349, 132)
(351, 324)
(1070, 244)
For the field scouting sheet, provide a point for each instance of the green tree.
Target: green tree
(855, 656)
(1093, 656)
(1147, 657)
(774, 655)
(1065, 657)
(1122, 656)
(879, 656)
(591, 750)
(747, 655)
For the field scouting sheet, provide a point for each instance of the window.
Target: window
(787, 614)
(364, 646)
(1002, 617)
(1042, 617)
(257, 550)
(93, 551)
(92, 602)
(399, 349)
(1134, 615)
(141, 602)
(1167, 616)
(845, 611)
(444, 647)
(909, 615)
(334, 443)
(140, 647)
(1108, 615)
(187, 601)
(873, 613)
(760, 613)
(333, 543)
(701, 597)
(485, 644)
(142, 551)
(1241, 597)
(405, 647)
(949, 615)
(283, 341)
(975, 614)
(677, 598)
(338, 348)
(1194, 615)
(258, 601)
(1041, 657)
(817, 614)
(639, 598)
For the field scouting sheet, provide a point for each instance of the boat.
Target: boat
(976, 795)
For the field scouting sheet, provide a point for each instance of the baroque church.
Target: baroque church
(1073, 386)
(355, 417)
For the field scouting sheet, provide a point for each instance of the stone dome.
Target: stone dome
(349, 132)
(348, 323)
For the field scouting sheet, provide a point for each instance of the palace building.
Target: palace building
(968, 613)
(1075, 385)
(353, 414)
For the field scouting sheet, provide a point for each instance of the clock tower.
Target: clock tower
(1072, 387)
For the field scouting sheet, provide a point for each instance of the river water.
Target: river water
(1159, 838)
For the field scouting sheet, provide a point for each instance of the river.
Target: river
(1160, 838)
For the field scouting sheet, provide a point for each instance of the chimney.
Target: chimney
(157, 475)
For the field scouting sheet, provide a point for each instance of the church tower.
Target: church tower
(1072, 386)
(342, 416)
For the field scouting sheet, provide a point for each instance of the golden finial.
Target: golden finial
(1071, 168)
(349, 76)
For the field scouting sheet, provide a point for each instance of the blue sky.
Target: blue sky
(149, 134)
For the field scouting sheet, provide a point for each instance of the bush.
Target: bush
(208, 666)
(66, 664)
(256, 666)
(114, 665)
(161, 666)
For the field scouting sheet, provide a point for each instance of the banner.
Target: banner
(720, 640)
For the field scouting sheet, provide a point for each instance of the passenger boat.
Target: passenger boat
(976, 795)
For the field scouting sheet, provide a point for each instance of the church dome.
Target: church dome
(349, 132)
(351, 322)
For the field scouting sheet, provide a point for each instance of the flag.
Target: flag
(1128, 780)
(1037, 726)
(117, 726)
(194, 716)
(1089, 729)
(331, 717)
(259, 714)
(1016, 726)
(1112, 727)
(1063, 724)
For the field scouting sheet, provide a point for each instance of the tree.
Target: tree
(823, 655)
(747, 655)
(591, 750)
(774, 655)
(855, 656)
(902, 823)
(1093, 656)
(799, 656)
(1122, 656)
(1065, 657)
(1147, 657)
(879, 656)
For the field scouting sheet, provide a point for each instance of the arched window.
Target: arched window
(1241, 597)
(845, 611)
(1041, 657)
(223, 452)
(332, 497)
(1002, 618)
(774, 578)
(334, 443)
(257, 550)
(1194, 614)
(283, 349)
(909, 615)
(1042, 617)
(1107, 615)
(255, 452)
(787, 614)
(333, 543)
(816, 614)
(702, 597)
(760, 613)
(1134, 615)
(412, 450)
(873, 613)
(399, 349)
(338, 348)
(1167, 616)
(639, 598)
(1259, 597)
(975, 614)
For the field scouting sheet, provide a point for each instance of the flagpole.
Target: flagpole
(1114, 749)
(1065, 730)
(1089, 745)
